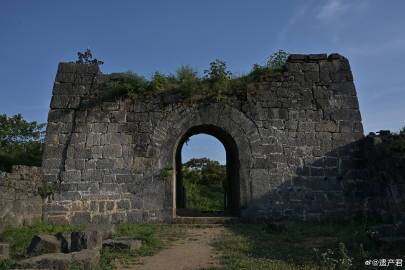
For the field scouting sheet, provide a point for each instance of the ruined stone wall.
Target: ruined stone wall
(379, 193)
(20, 202)
(294, 135)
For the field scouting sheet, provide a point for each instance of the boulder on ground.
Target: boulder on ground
(4, 251)
(94, 239)
(78, 241)
(42, 244)
(85, 259)
(122, 243)
(66, 243)
(86, 240)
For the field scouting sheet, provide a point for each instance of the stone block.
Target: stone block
(112, 151)
(85, 259)
(65, 102)
(326, 126)
(123, 243)
(42, 244)
(81, 218)
(88, 239)
(4, 251)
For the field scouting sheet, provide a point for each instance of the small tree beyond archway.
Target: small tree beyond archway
(203, 186)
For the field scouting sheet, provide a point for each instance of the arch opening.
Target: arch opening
(231, 199)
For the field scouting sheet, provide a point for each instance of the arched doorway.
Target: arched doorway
(232, 198)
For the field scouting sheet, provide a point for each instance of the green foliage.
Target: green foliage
(20, 237)
(46, 190)
(335, 259)
(216, 84)
(402, 131)
(188, 80)
(218, 71)
(20, 142)
(260, 246)
(7, 264)
(277, 60)
(218, 78)
(122, 84)
(205, 183)
(87, 58)
(166, 172)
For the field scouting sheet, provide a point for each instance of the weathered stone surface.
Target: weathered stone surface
(4, 251)
(78, 241)
(65, 241)
(122, 243)
(20, 202)
(85, 259)
(42, 244)
(111, 156)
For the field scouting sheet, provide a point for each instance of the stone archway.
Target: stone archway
(232, 201)
(112, 161)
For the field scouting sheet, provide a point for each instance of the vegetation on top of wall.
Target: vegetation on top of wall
(217, 82)
(86, 57)
(20, 142)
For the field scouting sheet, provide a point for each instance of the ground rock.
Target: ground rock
(94, 239)
(122, 243)
(66, 243)
(85, 259)
(89, 239)
(4, 251)
(42, 244)
(78, 241)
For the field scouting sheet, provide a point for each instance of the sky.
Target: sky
(147, 36)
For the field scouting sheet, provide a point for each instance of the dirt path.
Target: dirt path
(194, 252)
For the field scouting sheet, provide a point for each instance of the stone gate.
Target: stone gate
(289, 145)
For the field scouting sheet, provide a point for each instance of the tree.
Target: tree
(20, 142)
(205, 183)
(87, 58)
(218, 76)
(218, 71)
(277, 59)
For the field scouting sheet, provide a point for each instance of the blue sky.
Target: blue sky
(145, 36)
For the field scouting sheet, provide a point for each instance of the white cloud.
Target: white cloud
(332, 9)
(297, 14)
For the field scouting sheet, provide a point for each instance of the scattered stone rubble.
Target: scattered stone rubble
(82, 249)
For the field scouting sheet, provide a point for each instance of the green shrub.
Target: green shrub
(20, 142)
(217, 82)
(277, 60)
(86, 57)
(205, 183)
(124, 84)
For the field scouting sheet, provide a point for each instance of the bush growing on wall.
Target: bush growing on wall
(87, 58)
(216, 83)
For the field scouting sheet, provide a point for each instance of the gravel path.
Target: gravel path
(194, 252)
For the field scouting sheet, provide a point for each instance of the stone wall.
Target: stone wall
(290, 139)
(20, 202)
(379, 191)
